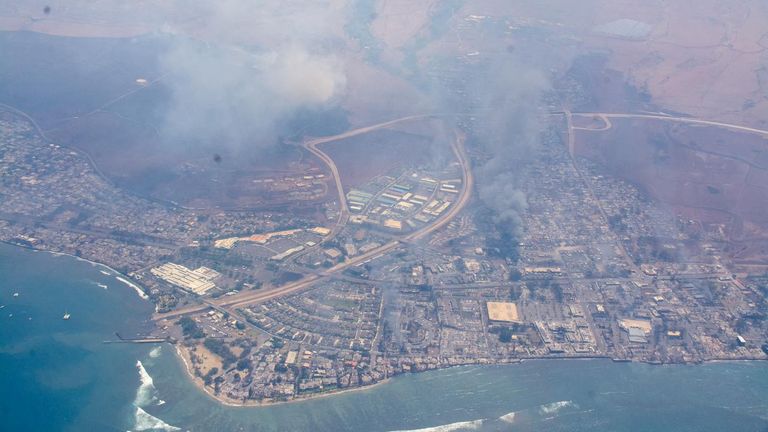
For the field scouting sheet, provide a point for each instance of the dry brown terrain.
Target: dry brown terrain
(399, 21)
(374, 95)
(361, 158)
(711, 175)
(135, 158)
(702, 58)
(705, 58)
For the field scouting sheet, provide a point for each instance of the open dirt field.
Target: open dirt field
(705, 173)
(361, 158)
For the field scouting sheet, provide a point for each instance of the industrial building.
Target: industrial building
(283, 255)
(198, 281)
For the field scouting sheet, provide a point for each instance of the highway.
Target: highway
(311, 146)
(312, 143)
(689, 120)
(605, 117)
(251, 297)
(571, 138)
(367, 129)
(466, 191)
(584, 180)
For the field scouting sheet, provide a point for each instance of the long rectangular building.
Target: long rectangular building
(198, 281)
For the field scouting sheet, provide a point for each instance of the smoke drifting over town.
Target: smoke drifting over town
(502, 97)
(509, 95)
(240, 97)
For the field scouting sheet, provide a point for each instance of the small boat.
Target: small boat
(66, 316)
(15, 294)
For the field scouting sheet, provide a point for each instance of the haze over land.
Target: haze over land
(317, 196)
(237, 75)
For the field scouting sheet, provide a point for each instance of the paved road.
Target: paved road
(251, 297)
(585, 180)
(689, 120)
(312, 143)
(367, 129)
(571, 138)
(343, 207)
(469, 181)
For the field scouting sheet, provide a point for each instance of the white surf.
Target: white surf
(155, 353)
(554, 407)
(451, 427)
(138, 289)
(147, 422)
(146, 395)
(508, 417)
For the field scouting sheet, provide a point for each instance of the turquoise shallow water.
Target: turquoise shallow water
(57, 375)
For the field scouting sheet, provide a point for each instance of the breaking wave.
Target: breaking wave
(508, 417)
(146, 395)
(147, 422)
(155, 353)
(554, 407)
(138, 289)
(502, 421)
(458, 426)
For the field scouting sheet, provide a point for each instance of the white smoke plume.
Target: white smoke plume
(251, 68)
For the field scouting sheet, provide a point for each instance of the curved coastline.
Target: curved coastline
(58, 373)
(125, 279)
(225, 401)
(180, 352)
(182, 356)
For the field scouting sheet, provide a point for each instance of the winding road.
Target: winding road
(311, 146)
(251, 297)
(606, 116)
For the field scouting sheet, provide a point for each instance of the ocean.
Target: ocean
(58, 375)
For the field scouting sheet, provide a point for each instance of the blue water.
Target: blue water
(57, 375)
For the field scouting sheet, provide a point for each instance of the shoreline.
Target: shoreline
(121, 277)
(180, 353)
(223, 400)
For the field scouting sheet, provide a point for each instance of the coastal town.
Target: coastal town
(397, 274)
(384, 215)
